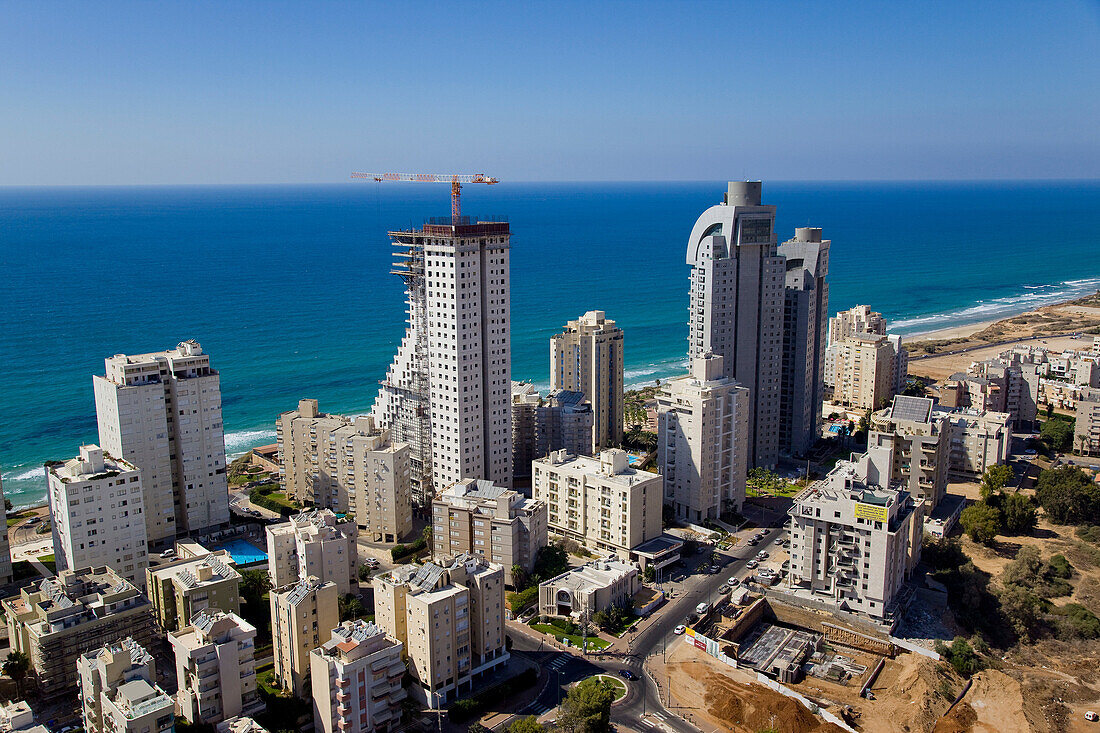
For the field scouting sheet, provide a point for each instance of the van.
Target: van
(702, 608)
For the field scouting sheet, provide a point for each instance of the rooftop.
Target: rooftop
(594, 575)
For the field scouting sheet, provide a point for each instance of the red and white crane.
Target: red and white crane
(456, 181)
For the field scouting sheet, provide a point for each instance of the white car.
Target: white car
(702, 608)
(751, 564)
(733, 582)
(763, 554)
(168, 553)
(679, 629)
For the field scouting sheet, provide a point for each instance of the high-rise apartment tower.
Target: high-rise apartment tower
(588, 357)
(736, 305)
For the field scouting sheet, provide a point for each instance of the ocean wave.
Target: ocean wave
(243, 441)
(984, 310)
(25, 475)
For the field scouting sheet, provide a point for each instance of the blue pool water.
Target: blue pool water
(244, 553)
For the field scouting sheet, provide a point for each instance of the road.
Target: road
(644, 708)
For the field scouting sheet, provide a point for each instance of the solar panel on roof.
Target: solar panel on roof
(917, 409)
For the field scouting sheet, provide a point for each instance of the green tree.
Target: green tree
(915, 387)
(351, 607)
(254, 583)
(587, 707)
(994, 480)
(649, 574)
(1023, 609)
(1019, 514)
(1058, 434)
(552, 560)
(1068, 496)
(1025, 569)
(960, 655)
(364, 572)
(981, 522)
(16, 666)
(521, 580)
(530, 724)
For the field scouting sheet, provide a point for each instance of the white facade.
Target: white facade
(455, 357)
(303, 615)
(736, 308)
(917, 441)
(593, 587)
(702, 441)
(97, 510)
(599, 502)
(314, 543)
(215, 668)
(357, 680)
(162, 412)
(119, 692)
(854, 542)
(588, 358)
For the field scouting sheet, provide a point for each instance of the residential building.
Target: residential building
(182, 588)
(918, 440)
(1086, 431)
(450, 619)
(17, 717)
(80, 610)
(240, 724)
(600, 502)
(303, 615)
(565, 421)
(805, 315)
(854, 540)
(736, 308)
(501, 525)
(348, 465)
(864, 370)
(703, 440)
(357, 680)
(119, 692)
(316, 543)
(1008, 383)
(215, 668)
(97, 513)
(162, 412)
(582, 592)
(448, 392)
(858, 320)
(525, 404)
(5, 549)
(588, 358)
(979, 440)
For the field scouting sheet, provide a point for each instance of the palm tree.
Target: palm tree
(16, 666)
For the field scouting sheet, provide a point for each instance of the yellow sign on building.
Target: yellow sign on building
(872, 512)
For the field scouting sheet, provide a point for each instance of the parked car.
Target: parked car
(751, 564)
(702, 608)
(753, 542)
(626, 674)
(679, 629)
(168, 553)
(723, 589)
(733, 582)
(762, 555)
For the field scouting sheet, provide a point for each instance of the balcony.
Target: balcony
(343, 696)
(342, 682)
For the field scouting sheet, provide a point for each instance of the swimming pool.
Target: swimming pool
(243, 553)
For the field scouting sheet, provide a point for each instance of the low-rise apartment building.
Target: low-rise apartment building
(182, 588)
(450, 619)
(97, 512)
(601, 502)
(215, 668)
(303, 615)
(979, 440)
(315, 543)
(582, 592)
(854, 542)
(347, 465)
(17, 717)
(703, 441)
(240, 724)
(119, 692)
(563, 420)
(501, 525)
(80, 610)
(357, 680)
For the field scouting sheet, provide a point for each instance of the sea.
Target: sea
(288, 288)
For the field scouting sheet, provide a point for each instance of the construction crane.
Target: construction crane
(456, 182)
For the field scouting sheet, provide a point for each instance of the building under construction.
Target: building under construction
(448, 392)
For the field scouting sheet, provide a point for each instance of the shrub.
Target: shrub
(1018, 513)
(1074, 621)
(399, 551)
(519, 601)
(981, 522)
(960, 655)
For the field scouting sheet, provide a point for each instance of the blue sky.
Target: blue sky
(273, 92)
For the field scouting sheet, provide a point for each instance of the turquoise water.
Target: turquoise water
(243, 553)
(288, 287)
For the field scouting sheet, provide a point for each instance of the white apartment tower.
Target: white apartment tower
(357, 680)
(162, 412)
(736, 305)
(702, 440)
(448, 393)
(805, 316)
(588, 357)
(96, 506)
(119, 692)
(216, 668)
(315, 543)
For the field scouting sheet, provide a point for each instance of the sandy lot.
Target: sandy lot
(939, 368)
